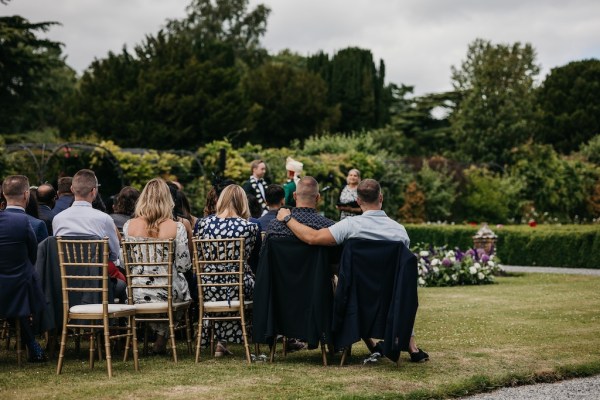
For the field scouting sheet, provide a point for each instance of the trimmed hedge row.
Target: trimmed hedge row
(571, 246)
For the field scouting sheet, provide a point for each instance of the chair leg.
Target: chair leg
(61, 353)
(92, 348)
(273, 346)
(345, 353)
(212, 338)
(245, 337)
(199, 338)
(19, 344)
(107, 347)
(284, 341)
(324, 354)
(172, 337)
(133, 331)
(188, 330)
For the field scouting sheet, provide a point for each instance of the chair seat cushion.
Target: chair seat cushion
(208, 305)
(97, 308)
(159, 306)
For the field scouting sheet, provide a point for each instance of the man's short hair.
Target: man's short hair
(254, 164)
(368, 191)
(64, 184)
(274, 194)
(307, 189)
(46, 194)
(15, 185)
(83, 182)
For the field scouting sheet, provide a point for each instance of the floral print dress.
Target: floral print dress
(182, 263)
(213, 227)
(348, 196)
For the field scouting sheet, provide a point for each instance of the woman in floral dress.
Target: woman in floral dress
(230, 221)
(154, 220)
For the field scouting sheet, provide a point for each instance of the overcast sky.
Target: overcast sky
(418, 39)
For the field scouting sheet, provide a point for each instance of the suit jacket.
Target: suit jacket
(62, 203)
(292, 292)
(47, 215)
(39, 227)
(376, 296)
(20, 291)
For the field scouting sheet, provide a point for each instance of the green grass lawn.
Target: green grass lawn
(530, 328)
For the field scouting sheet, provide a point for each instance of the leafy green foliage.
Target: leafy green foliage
(495, 83)
(490, 197)
(287, 103)
(356, 85)
(569, 103)
(34, 79)
(591, 150)
(552, 184)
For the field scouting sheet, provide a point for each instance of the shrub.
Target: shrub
(439, 266)
(546, 245)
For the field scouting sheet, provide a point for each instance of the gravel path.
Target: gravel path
(573, 389)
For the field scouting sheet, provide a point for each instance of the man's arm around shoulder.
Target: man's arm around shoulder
(321, 237)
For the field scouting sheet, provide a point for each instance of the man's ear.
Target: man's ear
(294, 196)
(318, 197)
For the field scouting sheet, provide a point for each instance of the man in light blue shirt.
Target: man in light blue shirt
(372, 224)
(82, 220)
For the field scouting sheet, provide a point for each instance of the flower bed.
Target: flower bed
(439, 266)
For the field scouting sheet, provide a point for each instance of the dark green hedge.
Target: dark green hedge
(576, 246)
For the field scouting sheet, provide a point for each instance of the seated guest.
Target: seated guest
(124, 206)
(372, 224)
(81, 219)
(230, 221)
(275, 197)
(306, 198)
(153, 219)
(64, 193)
(31, 209)
(46, 198)
(20, 291)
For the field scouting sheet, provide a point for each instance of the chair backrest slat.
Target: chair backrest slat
(224, 258)
(84, 271)
(149, 259)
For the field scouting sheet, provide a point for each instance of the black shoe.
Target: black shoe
(419, 356)
(36, 353)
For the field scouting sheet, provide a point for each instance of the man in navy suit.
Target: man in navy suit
(46, 197)
(17, 205)
(20, 291)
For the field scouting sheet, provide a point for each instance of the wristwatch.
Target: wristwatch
(286, 219)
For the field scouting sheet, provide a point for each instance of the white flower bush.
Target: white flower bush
(441, 267)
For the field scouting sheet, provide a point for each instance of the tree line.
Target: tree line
(206, 77)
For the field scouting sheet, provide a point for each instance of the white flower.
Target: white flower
(435, 261)
(436, 269)
(454, 277)
(480, 276)
(472, 270)
(446, 278)
(421, 281)
(477, 266)
(491, 263)
(450, 253)
(423, 253)
(453, 259)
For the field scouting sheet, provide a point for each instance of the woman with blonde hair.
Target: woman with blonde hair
(153, 219)
(230, 221)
